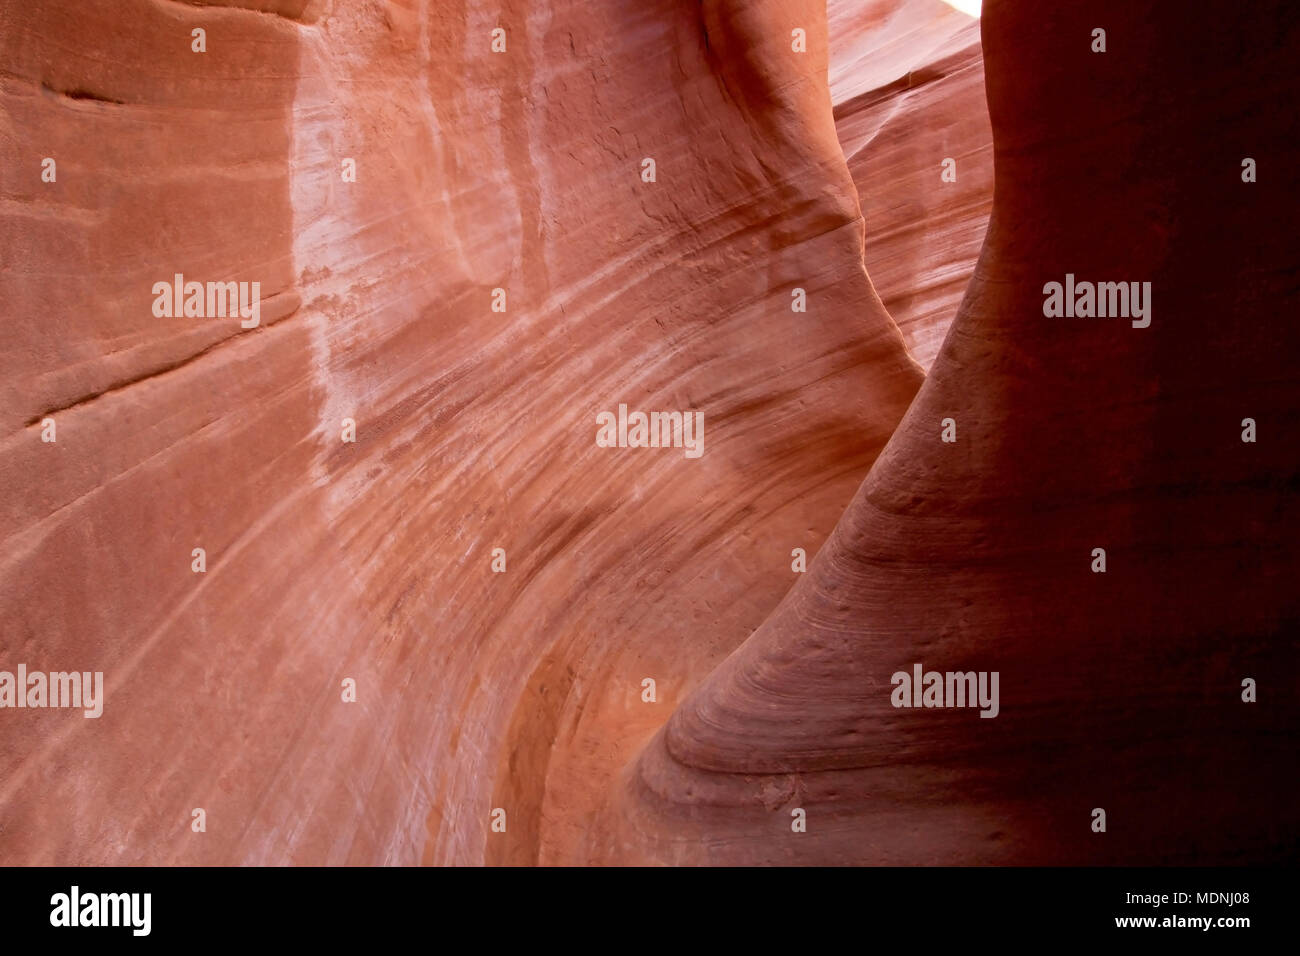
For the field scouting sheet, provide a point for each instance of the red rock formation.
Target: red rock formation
(475, 429)
(372, 560)
(1121, 690)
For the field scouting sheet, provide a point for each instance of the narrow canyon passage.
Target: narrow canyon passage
(364, 578)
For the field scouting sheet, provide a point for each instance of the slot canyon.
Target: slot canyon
(366, 586)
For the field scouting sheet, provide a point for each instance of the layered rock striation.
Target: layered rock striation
(372, 560)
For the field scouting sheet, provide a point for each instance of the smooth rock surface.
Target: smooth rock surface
(474, 429)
